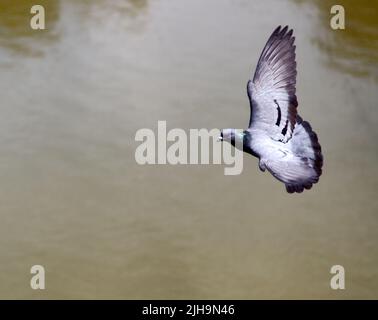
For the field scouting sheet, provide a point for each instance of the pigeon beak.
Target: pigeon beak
(220, 138)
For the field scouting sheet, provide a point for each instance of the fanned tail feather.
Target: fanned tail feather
(306, 147)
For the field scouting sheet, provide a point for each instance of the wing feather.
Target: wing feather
(273, 87)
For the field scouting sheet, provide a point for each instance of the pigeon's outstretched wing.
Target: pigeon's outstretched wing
(272, 91)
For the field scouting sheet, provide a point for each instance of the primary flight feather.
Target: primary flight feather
(284, 143)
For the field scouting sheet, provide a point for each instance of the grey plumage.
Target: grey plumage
(272, 90)
(284, 143)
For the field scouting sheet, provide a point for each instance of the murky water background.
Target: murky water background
(73, 199)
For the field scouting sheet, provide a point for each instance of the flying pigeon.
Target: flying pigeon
(285, 144)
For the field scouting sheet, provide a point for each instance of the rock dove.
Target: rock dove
(285, 144)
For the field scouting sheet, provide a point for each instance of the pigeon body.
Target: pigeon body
(285, 144)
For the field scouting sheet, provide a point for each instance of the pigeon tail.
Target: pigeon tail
(305, 146)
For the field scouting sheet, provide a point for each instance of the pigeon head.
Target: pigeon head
(226, 135)
(231, 136)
